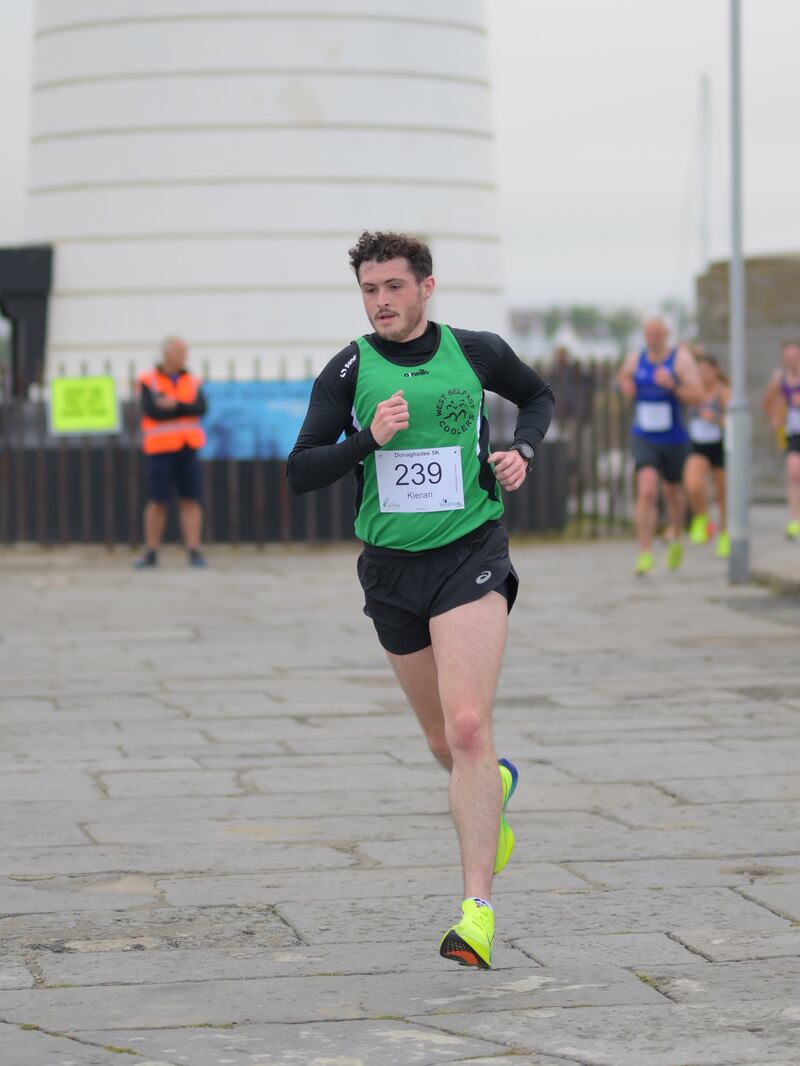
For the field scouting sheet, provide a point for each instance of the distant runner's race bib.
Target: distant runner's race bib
(704, 432)
(793, 421)
(423, 479)
(654, 417)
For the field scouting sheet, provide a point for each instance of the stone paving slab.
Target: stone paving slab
(349, 1043)
(669, 1035)
(185, 927)
(669, 873)
(655, 766)
(318, 998)
(783, 899)
(14, 973)
(725, 789)
(141, 961)
(697, 982)
(522, 914)
(735, 945)
(19, 787)
(36, 834)
(352, 884)
(195, 782)
(242, 855)
(47, 896)
(630, 950)
(285, 832)
(27, 1046)
(244, 808)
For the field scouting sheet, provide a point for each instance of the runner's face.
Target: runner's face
(394, 300)
(791, 358)
(656, 334)
(708, 374)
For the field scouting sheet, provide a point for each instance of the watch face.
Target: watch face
(524, 450)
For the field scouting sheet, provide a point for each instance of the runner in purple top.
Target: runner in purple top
(781, 403)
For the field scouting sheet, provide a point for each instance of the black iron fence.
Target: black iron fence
(91, 490)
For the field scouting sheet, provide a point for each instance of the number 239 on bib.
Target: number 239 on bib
(419, 480)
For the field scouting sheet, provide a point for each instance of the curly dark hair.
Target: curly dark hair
(379, 247)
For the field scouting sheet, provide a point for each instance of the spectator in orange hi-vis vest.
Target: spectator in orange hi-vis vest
(172, 404)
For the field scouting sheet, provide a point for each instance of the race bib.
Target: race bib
(424, 479)
(704, 432)
(654, 417)
(793, 422)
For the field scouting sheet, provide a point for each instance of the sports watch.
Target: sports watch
(526, 450)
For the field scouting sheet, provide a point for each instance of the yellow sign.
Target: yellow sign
(83, 405)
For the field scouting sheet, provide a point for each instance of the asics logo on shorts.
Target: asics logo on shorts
(484, 577)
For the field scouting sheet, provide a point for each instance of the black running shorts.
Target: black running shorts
(714, 452)
(667, 459)
(181, 468)
(793, 443)
(404, 590)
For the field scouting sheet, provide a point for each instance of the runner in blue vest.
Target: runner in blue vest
(659, 378)
(437, 578)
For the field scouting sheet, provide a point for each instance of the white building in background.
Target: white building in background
(201, 167)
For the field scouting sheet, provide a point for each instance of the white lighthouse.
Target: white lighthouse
(202, 166)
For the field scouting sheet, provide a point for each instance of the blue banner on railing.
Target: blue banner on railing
(253, 419)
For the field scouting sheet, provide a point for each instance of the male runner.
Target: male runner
(660, 378)
(435, 569)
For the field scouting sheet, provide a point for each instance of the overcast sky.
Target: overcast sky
(597, 117)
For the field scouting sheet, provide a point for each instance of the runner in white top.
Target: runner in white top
(706, 432)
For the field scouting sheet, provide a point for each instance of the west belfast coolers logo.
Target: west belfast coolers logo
(455, 410)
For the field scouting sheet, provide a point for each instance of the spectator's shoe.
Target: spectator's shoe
(470, 942)
(723, 546)
(146, 561)
(699, 532)
(644, 564)
(793, 530)
(674, 554)
(196, 558)
(505, 838)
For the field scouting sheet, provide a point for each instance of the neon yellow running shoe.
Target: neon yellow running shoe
(793, 530)
(723, 546)
(644, 564)
(674, 554)
(698, 530)
(470, 942)
(505, 838)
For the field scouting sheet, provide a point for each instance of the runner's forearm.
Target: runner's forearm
(315, 466)
(534, 418)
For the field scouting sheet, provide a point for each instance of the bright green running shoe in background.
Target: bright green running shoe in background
(674, 554)
(470, 942)
(698, 530)
(723, 546)
(644, 564)
(505, 838)
(793, 530)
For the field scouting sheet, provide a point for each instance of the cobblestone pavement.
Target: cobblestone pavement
(222, 840)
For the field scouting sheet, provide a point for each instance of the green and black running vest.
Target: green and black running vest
(422, 489)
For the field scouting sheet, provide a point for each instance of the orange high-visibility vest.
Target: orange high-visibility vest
(171, 434)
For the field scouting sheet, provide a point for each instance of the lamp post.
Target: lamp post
(738, 420)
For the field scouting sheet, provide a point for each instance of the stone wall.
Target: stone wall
(772, 316)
